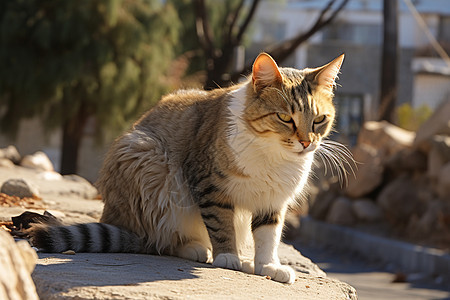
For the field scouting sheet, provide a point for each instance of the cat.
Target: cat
(205, 171)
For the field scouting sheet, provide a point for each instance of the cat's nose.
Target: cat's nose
(305, 144)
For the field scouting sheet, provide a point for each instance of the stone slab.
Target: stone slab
(137, 276)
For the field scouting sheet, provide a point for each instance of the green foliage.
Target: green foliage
(412, 118)
(103, 58)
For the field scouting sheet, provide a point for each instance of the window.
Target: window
(350, 116)
(269, 32)
(360, 34)
(444, 30)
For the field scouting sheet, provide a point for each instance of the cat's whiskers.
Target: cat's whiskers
(339, 163)
(340, 146)
(338, 157)
(343, 153)
(324, 161)
(334, 152)
(346, 157)
(327, 159)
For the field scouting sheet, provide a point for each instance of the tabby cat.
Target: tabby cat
(205, 171)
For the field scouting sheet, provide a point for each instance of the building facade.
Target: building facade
(358, 32)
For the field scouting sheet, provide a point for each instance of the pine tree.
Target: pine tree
(69, 60)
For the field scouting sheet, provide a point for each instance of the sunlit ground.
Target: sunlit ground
(372, 281)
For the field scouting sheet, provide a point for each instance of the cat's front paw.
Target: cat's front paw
(276, 272)
(228, 261)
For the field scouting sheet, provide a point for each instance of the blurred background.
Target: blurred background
(75, 74)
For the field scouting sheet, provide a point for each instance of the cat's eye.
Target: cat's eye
(319, 120)
(284, 117)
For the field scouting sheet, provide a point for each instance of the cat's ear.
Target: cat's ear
(325, 77)
(265, 72)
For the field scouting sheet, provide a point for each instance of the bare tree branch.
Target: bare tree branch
(326, 9)
(203, 29)
(231, 20)
(282, 51)
(247, 21)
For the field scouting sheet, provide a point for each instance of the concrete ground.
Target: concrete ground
(133, 276)
(101, 276)
(370, 280)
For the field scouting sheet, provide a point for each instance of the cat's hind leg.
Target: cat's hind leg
(195, 251)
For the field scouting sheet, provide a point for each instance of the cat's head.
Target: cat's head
(289, 106)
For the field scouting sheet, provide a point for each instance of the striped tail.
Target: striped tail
(90, 237)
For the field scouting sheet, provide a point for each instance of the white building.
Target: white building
(423, 77)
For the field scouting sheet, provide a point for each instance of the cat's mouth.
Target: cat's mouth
(309, 149)
(306, 151)
(303, 153)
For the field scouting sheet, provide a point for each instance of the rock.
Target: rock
(291, 225)
(16, 264)
(385, 137)
(432, 221)
(407, 160)
(368, 175)
(438, 123)
(10, 153)
(366, 210)
(76, 178)
(83, 187)
(19, 188)
(341, 212)
(424, 192)
(322, 204)
(442, 145)
(53, 186)
(304, 201)
(50, 176)
(38, 160)
(399, 201)
(290, 256)
(95, 276)
(443, 183)
(6, 163)
(439, 155)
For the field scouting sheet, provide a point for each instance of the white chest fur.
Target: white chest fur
(272, 177)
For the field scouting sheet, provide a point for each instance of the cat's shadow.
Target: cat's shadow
(64, 272)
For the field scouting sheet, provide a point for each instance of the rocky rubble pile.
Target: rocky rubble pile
(24, 179)
(9, 156)
(402, 182)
